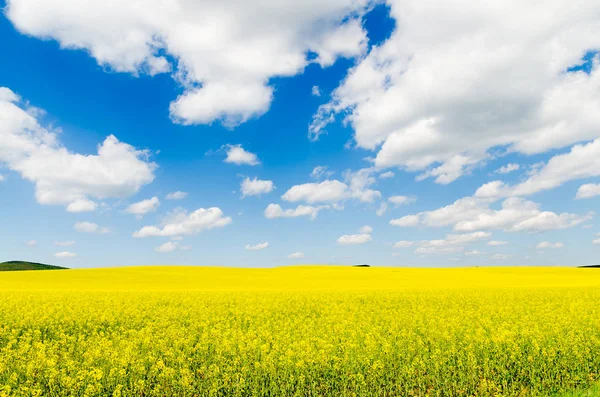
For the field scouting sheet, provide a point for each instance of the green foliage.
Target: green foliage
(21, 265)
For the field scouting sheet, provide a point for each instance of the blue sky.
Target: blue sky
(411, 113)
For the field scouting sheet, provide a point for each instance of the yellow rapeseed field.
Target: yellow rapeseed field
(299, 331)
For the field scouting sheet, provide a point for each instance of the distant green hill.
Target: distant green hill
(19, 265)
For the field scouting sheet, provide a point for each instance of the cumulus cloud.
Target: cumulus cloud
(316, 91)
(257, 247)
(508, 168)
(64, 243)
(452, 243)
(356, 186)
(62, 177)
(496, 243)
(382, 208)
(366, 229)
(143, 207)
(471, 214)
(2, 178)
(166, 247)
(82, 205)
(474, 253)
(404, 244)
(224, 54)
(178, 195)
(65, 254)
(455, 81)
(275, 211)
(254, 187)
(387, 175)
(237, 155)
(296, 255)
(547, 244)
(354, 239)
(588, 190)
(183, 223)
(90, 227)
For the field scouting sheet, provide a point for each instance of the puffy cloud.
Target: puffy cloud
(65, 254)
(547, 244)
(320, 172)
(2, 178)
(237, 155)
(382, 208)
(253, 187)
(588, 190)
(143, 207)
(60, 176)
(315, 91)
(401, 200)
(596, 241)
(454, 81)
(183, 223)
(471, 214)
(404, 244)
(257, 247)
(387, 175)
(64, 243)
(275, 211)
(82, 205)
(178, 195)
(505, 169)
(496, 243)
(474, 253)
(90, 227)
(452, 243)
(406, 221)
(356, 187)
(296, 255)
(31, 243)
(354, 239)
(366, 229)
(166, 247)
(224, 53)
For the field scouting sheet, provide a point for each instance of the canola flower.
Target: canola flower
(300, 331)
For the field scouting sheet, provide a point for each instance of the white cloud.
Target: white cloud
(237, 155)
(315, 91)
(505, 169)
(455, 80)
(253, 187)
(474, 253)
(354, 239)
(404, 244)
(331, 191)
(320, 172)
(387, 175)
(31, 243)
(82, 205)
(588, 190)
(296, 255)
(224, 53)
(166, 247)
(582, 161)
(2, 178)
(496, 243)
(596, 241)
(143, 207)
(183, 223)
(60, 176)
(65, 254)
(382, 208)
(406, 221)
(547, 244)
(471, 214)
(90, 227)
(452, 243)
(275, 211)
(366, 229)
(185, 247)
(500, 257)
(401, 200)
(257, 247)
(64, 243)
(178, 195)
